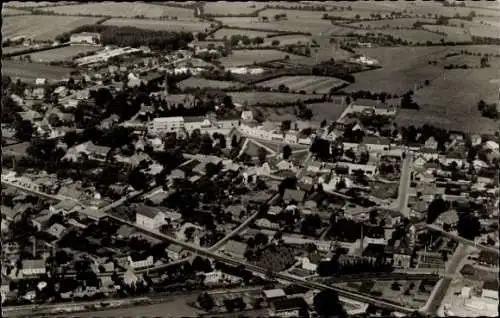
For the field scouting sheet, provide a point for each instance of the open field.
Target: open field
(415, 36)
(205, 83)
(248, 57)
(61, 54)
(42, 27)
(31, 71)
(34, 4)
(453, 34)
(230, 32)
(225, 7)
(402, 69)
(391, 23)
(11, 11)
(309, 84)
(459, 91)
(479, 27)
(329, 111)
(252, 98)
(123, 9)
(471, 61)
(483, 49)
(187, 25)
(289, 39)
(313, 26)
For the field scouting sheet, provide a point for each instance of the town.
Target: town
(146, 178)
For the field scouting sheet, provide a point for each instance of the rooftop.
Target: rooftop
(289, 304)
(148, 211)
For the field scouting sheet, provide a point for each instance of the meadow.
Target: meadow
(220, 34)
(60, 54)
(6, 11)
(30, 4)
(288, 39)
(313, 26)
(415, 36)
(30, 71)
(205, 83)
(122, 9)
(402, 69)
(42, 27)
(249, 57)
(309, 84)
(224, 8)
(188, 25)
(252, 98)
(453, 34)
(390, 23)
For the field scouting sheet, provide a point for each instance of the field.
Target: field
(11, 11)
(252, 98)
(479, 27)
(230, 32)
(289, 39)
(453, 34)
(205, 83)
(123, 9)
(329, 111)
(225, 8)
(32, 71)
(391, 23)
(188, 25)
(310, 84)
(402, 69)
(60, 54)
(414, 36)
(313, 26)
(42, 27)
(248, 57)
(27, 4)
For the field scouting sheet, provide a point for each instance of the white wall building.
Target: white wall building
(165, 125)
(85, 38)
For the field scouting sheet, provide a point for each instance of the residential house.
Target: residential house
(85, 38)
(149, 217)
(274, 294)
(374, 143)
(291, 137)
(109, 122)
(174, 252)
(129, 278)
(33, 267)
(487, 258)
(369, 169)
(293, 195)
(247, 115)
(311, 261)
(57, 230)
(314, 167)
(475, 140)
(288, 307)
(40, 81)
(431, 144)
(65, 207)
(41, 221)
(450, 218)
(419, 161)
(163, 125)
(196, 122)
(490, 290)
(124, 231)
(265, 223)
(235, 249)
(88, 148)
(217, 277)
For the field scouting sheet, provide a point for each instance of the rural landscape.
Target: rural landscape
(258, 158)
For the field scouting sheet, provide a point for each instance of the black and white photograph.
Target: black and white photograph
(250, 159)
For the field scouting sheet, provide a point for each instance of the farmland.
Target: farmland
(29, 4)
(252, 98)
(188, 25)
(479, 27)
(205, 83)
(30, 71)
(224, 8)
(11, 11)
(220, 34)
(123, 9)
(415, 36)
(42, 27)
(61, 54)
(390, 23)
(309, 84)
(248, 57)
(313, 26)
(327, 110)
(402, 69)
(453, 34)
(288, 39)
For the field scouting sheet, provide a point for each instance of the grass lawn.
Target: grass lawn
(42, 27)
(220, 34)
(329, 111)
(248, 57)
(204, 83)
(61, 54)
(123, 9)
(309, 84)
(252, 98)
(225, 7)
(187, 25)
(31, 71)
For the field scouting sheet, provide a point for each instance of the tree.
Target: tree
(286, 125)
(323, 123)
(435, 208)
(261, 239)
(228, 102)
(138, 180)
(206, 301)
(262, 154)
(490, 111)
(275, 42)
(481, 105)
(24, 130)
(234, 142)
(396, 286)
(287, 152)
(310, 223)
(468, 226)
(212, 169)
(327, 304)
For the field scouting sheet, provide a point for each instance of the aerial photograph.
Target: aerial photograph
(250, 159)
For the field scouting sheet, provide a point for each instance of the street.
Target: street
(441, 288)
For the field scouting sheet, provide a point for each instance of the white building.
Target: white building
(165, 125)
(33, 267)
(149, 217)
(85, 38)
(217, 277)
(128, 262)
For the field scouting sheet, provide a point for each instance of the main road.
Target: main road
(441, 288)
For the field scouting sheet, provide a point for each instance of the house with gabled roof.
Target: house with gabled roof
(149, 217)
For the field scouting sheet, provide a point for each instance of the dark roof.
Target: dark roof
(488, 257)
(193, 119)
(289, 304)
(374, 250)
(296, 195)
(369, 102)
(148, 211)
(491, 285)
(372, 140)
